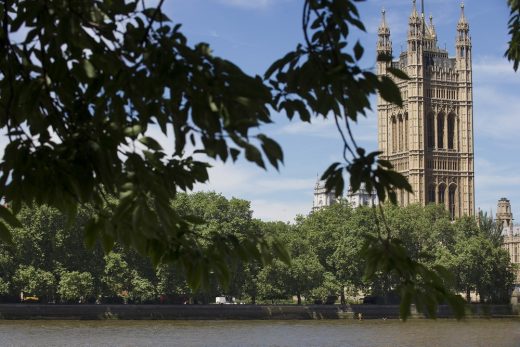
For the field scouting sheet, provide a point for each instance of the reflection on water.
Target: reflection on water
(261, 333)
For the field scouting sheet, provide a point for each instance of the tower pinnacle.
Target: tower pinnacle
(384, 45)
(462, 19)
(383, 19)
(414, 10)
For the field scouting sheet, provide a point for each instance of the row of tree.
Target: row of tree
(328, 249)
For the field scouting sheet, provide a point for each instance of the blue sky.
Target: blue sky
(253, 33)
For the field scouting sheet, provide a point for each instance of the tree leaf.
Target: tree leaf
(90, 70)
(389, 91)
(398, 73)
(9, 218)
(358, 51)
(5, 234)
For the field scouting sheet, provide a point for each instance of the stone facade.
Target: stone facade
(321, 197)
(512, 245)
(511, 233)
(505, 216)
(360, 198)
(430, 139)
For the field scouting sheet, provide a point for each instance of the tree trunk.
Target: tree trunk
(253, 300)
(299, 296)
(468, 295)
(343, 301)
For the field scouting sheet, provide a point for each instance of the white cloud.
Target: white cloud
(365, 130)
(271, 195)
(319, 128)
(487, 69)
(283, 211)
(495, 179)
(244, 179)
(496, 113)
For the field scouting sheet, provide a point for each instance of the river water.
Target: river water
(389, 333)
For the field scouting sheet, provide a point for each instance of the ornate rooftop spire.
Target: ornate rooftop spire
(383, 27)
(463, 23)
(414, 14)
(383, 19)
(384, 45)
(462, 19)
(432, 28)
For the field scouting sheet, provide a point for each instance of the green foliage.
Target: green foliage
(4, 286)
(116, 275)
(480, 263)
(171, 281)
(75, 286)
(513, 51)
(322, 78)
(336, 251)
(142, 289)
(79, 93)
(34, 281)
(418, 284)
(81, 89)
(490, 229)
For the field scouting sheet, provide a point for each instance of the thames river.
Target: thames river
(389, 333)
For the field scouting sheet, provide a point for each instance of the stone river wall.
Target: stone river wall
(234, 312)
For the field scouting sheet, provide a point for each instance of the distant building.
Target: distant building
(505, 217)
(322, 198)
(511, 233)
(360, 198)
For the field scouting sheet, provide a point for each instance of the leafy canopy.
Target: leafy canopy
(82, 87)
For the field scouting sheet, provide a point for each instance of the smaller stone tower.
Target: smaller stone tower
(505, 216)
(321, 197)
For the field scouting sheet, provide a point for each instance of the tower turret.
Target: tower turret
(430, 36)
(505, 216)
(415, 41)
(384, 45)
(463, 42)
(322, 198)
(414, 28)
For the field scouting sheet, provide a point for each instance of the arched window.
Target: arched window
(440, 130)
(394, 135)
(401, 133)
(451, 131)
(430, 128)
(406, 131)
(452, 200)
(442, 194)
(431, 194)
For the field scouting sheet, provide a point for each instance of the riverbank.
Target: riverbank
(233, 312)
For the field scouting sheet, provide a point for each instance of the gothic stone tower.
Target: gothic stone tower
(505, 216)
(430, 139)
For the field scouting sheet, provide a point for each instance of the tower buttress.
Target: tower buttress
(463, 65)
